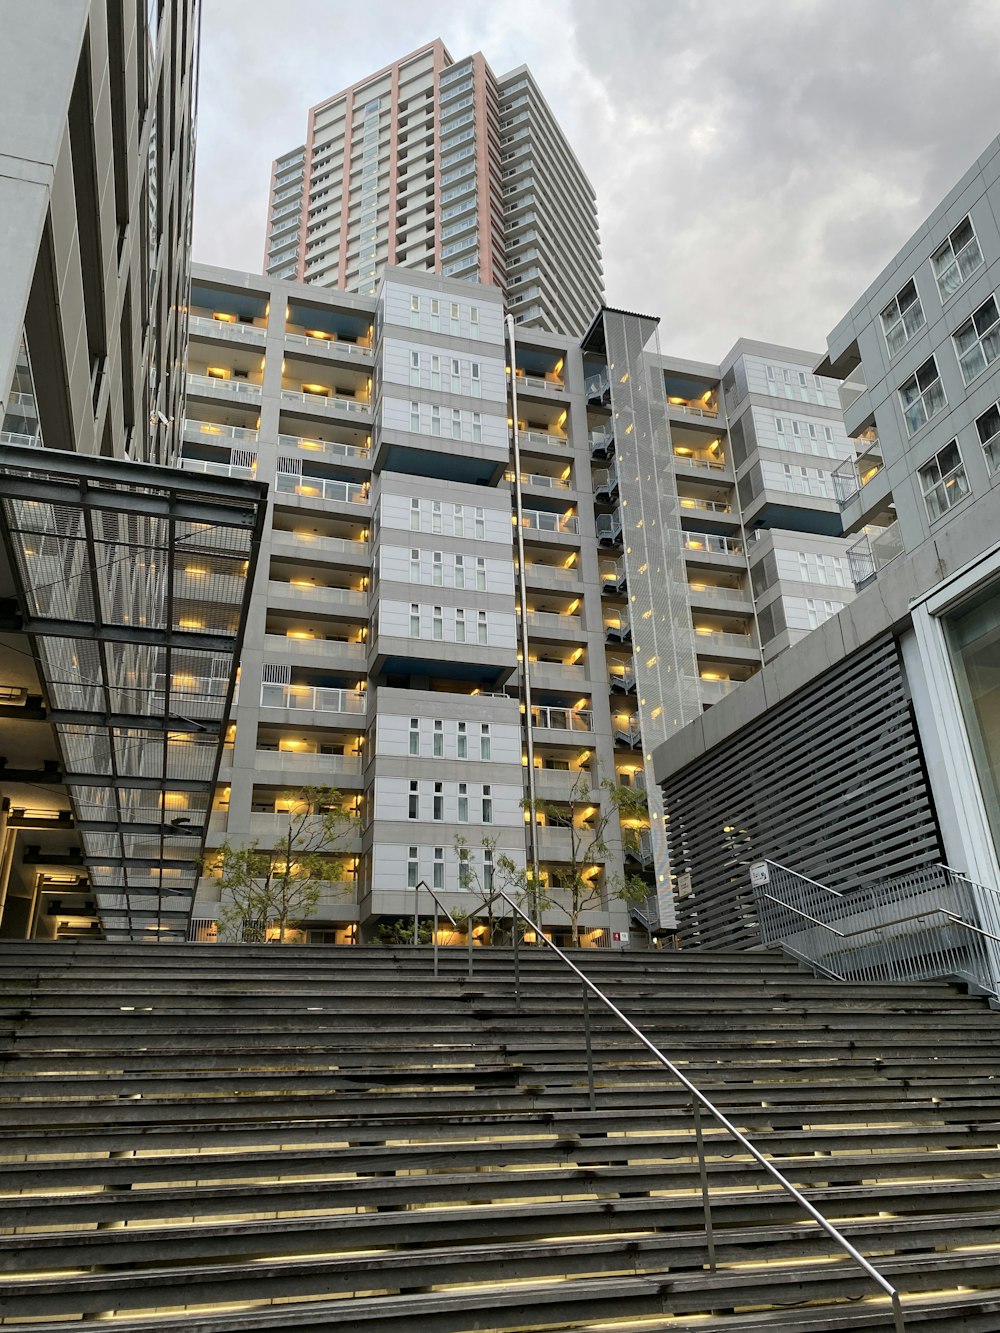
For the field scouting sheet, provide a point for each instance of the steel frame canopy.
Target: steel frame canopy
(132, 582)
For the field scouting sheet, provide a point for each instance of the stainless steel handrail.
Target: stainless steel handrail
(438, 908)
(700, 1100)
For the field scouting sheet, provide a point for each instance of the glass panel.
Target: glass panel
(974, 635)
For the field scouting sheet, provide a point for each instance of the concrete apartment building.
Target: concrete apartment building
(386, 645)
(440, 166)
(116, 664)
(869, 753)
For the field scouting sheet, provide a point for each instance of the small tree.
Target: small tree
(284, 882)
(572, 890)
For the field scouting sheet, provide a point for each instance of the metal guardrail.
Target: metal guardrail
(699, 1103)
(932, 924)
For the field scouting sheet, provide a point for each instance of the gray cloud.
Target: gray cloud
(756, 163)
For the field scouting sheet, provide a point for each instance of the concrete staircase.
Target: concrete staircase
(206, 1139)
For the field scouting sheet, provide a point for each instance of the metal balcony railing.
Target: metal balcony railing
(226, 388)
(329, 402)
(597, 387)
(618, 628)
(873, 550)
(602, 442)
(223, 328)
(931, 924)
(606, 483)
(537, 383)
(853, 473)
(22, 441)
(323, 448)
(318, 698)
(318, 342)
(613, 575)
(609, 528)
(709, 464)
(218, 469)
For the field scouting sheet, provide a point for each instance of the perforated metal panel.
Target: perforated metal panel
(662, 639)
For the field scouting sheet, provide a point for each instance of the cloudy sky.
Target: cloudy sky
(756, 162)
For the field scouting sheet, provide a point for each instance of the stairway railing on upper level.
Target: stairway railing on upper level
(934, 923)
(699, 1103)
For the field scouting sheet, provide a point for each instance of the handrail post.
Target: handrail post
(435, 941)
(591, 1093)
(517, 965)
(416, 915)
(468, 941)
(706, 1199)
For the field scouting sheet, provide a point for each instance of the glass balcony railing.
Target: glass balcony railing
(694, 407)
(853, 473)
(712, 691)
(329, 402)
(705, 464)
(318, 698)
(705, 506)
(214, 430)
(563, 719)
(321, 448)
(708, 543)
(874, 549)
(541, 482)
(224, 387)
(22, 441)
(346, 492)
(704, 592)
(538, 383)
(219, 469)
(542, 521)
(707, 639)
(526, 437)
(327, 342)
(231, 330)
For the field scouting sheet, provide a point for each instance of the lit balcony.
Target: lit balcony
(562, 719)
(228, 328)
(225, 386)
(709, 544)
(216, 432)
(854, 473)
(613, 576)
(319, 398)
(219, 469)
(315, 698)
(712, 690)
(617, 627)
(322, 488)
(542, 520)
(874, 549)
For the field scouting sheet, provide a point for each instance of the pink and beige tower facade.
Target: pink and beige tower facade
(436, 164)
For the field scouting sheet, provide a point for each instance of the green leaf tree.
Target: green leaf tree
(283, 883)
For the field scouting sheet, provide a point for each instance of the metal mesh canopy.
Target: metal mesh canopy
(132, 582)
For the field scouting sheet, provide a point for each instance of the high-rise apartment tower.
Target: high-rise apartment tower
(439, 165)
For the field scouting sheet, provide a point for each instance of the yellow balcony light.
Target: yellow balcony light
(703, 629)
(715, 446)
(304, 488)
(195, 571)
(574, 656)
(706, 396)
(302, 583)
(291, 743)
(299, 689)
(570, 560)
(224, 317)
(218, 372)
(581, 703)
(187, 623)
(561, 418)
(477, 690)
(573, 607)
(300, 634)
(262, 363)
(323, 389)
(557, 368)
(566, 473)
(699, 587)
(311, 444)
(524, 761)
(319, 333)
(583, 757)
(711, 675)
(694, 544)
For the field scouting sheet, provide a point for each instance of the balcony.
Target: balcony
(335, 654)
(320, 488)
(562, 719)
(328, 403)
(317, 698)
(701, 593)
(723, 641)
(316, 597)
(694, 408)
(219, 469)
(536, 384)
(854, 473)
(305, 767)
(621, 678)
(21, 441)
(323, 448)
(213, 432)
(720, 507)
(553, 623)
(598, 388)
(229, 389)
(323, 546)
(700, 462)
(540, 481)
(542, 438)
(328, 344)
(874, 549)
(710, 544)
(541, 520)
(543, 575)
(554, 784)
(231, 330)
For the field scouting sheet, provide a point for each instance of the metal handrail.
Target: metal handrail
(893, 921)
(700, 1100)
(438, 907)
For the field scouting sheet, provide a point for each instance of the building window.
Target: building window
(435, 372)
(474, 321)
(477, 428)
(456, 424)
(458, 524)
(480, 573)
(988, 426)
(459, 569)
(977, 341)
(456, 376)
(414, 312)
(435, 316)
(954, 261)
(487, 805)
(484, 740)
(438, 745)
(437, 569)
(437, 623)
(414, 735)
(415, 418)
(462, 746)
(439, 800)
(455, 325)
(438, 877)
(902, 318)
(414, 515)
(482, 629)
(477, 383)
(922, 396)
(943, 481)
(413, 802)
(480, 524)
(414, 621)
(412, 868)
(436, 516)
(459, 625)
(414, 566)
(488, 869)
(463, 802)
(414, 374)
(435, 420)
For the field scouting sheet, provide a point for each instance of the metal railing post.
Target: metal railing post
(706, 1199)
(468, 942)
(435, 940)
(591, 1092)
(517, 966)
(416, 915)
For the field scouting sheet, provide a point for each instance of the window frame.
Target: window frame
(939, 486)
(977, 343)
(899, 320)
(949, 243)
(906, 407)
